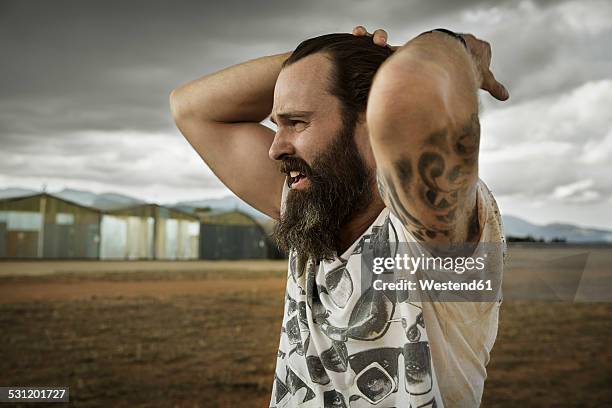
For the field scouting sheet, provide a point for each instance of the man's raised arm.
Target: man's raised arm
(423, 124)
(220, 116)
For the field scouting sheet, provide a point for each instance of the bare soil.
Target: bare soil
(205, 335)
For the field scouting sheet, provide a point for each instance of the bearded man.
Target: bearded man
(376, 147)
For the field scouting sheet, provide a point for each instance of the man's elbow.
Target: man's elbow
(178, 105)
(402, 103)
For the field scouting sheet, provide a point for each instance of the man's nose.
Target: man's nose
(281, 146)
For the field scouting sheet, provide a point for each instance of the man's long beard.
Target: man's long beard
(339, 189)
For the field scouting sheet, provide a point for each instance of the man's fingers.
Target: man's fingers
(380, 37)
(495, 88)
(501, 93)
(360, 31)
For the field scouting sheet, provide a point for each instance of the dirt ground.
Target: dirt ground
(205, 334)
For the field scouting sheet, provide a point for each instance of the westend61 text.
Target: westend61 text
(428, 284)
(410, 263)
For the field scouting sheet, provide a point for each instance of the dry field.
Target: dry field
(204, 334)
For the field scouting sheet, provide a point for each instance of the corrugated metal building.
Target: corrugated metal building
(149, 231)
(45, 226)
(233, 235)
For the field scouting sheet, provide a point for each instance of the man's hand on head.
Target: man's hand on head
(379, 37)
(479, 50)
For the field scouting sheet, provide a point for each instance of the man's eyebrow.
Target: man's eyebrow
(289, 114)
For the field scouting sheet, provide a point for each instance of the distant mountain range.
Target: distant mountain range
(103, 201)
(15, 192)
(112, 201)
(219, 204)
(517, 227)
(513, 226)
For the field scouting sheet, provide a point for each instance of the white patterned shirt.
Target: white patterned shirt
(345, 344)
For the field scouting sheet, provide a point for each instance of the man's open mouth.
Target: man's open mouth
(296, 180)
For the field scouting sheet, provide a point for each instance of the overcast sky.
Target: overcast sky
(84, 91)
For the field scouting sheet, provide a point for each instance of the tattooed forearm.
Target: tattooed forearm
(404, 169)
(444, 171)
(469, 139)
(389, 195)
(431, 167)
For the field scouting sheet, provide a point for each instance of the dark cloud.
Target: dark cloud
(100, 65)
(85, 84)
(71, 65)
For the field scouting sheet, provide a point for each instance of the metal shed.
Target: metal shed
(149, 231)
(45, 226)
(232, 235)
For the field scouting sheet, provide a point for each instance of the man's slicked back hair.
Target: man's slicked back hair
(355, 59)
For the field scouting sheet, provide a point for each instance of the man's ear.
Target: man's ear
(361, 130)
(363, 141)
(361, 118)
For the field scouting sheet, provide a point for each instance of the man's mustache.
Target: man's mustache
(295, 164)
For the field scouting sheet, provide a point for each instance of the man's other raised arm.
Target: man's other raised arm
(423, 124)
(220, 114)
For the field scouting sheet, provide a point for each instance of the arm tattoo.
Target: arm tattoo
(389, 195)
(444, 168)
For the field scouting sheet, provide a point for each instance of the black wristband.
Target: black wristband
(448, 32)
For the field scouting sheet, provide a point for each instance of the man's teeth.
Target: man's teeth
(294, 173)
